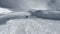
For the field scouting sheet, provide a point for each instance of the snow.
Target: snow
(31, 26)
(5, 11)
(49, 14)
(21, 13)
(28, 25)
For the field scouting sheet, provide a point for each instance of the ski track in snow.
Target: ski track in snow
(31, 26)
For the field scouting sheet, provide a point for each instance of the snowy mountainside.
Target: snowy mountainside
(31, 26)
(5, 11)
(46, 14)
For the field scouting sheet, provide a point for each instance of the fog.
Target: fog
(24, 4)
(54, 4)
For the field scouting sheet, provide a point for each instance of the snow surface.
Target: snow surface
(5, 11)
(31, 26)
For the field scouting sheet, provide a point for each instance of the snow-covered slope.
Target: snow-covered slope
(47, 14)
(31, 26)
(14, 15)
(5, 11)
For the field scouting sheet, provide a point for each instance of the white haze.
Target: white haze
(25, 4)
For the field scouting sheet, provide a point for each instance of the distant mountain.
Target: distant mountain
(47, 14)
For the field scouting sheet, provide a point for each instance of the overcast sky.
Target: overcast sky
(24, 4)
(30, 4)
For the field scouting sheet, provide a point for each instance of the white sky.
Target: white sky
(26, 4)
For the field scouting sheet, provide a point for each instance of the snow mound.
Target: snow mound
(31, 26)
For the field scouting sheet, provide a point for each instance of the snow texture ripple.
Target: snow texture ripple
(31, 26)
